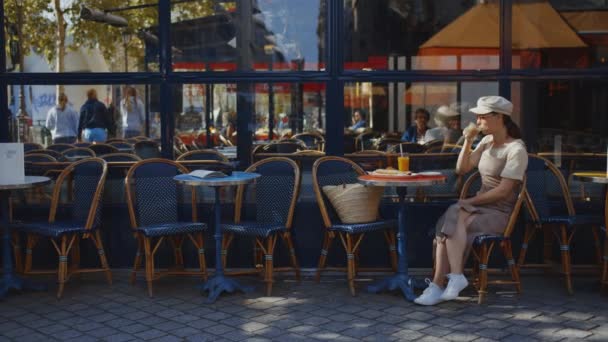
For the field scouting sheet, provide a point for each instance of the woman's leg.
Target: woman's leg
(442, 265)
(457, 243)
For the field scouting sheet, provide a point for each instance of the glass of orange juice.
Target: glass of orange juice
(403, 163)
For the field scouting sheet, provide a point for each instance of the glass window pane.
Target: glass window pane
(559, 34)
(387, 113)
(43, 116)
(420, 35)
(95, 38)
(563, 115)
(279, 35)
(295, 108)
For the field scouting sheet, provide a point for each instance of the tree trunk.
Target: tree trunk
(60, 42)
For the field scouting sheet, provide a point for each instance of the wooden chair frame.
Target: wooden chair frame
(75, 149)
(563, 235)
(62, 147)
(264, 247)
(69, 244)
(318, 136)
(108, 146)
(482, 251)
(148, 244)
(350, 242)
(185, 155)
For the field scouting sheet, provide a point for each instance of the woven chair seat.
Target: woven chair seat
(52, 230)
(488, 238)
(356, 228)
(253, 228)
(173, 228)
(572, 220)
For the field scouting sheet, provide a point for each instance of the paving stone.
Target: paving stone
(133, 328)
(437, 331)
(407, 335)
(493, 333)
(149, 334)
(219, 329)
(119, 338)
(573, 333)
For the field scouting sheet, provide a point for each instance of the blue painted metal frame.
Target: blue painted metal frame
(334, 77)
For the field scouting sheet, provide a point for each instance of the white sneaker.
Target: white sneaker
(456, 283)
(431, 294)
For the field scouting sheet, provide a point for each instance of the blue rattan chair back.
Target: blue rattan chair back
(58, 156)
(120, 157)
(31, 146)
(147, 149)
(544, 179)
(78, 152)
(101, 149)
(203, 155)
(152, 193)
(312, 140)
(123, 147)
(60, 147)
(82, 144)
(332, 171)
(38, 158)
(276, 190)
(88, 177)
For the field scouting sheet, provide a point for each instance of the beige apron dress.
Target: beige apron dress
(489, 218)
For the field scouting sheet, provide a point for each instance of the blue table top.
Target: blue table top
(237, 178)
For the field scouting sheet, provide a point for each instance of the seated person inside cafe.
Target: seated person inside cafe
(447, 119)
(358, 120)
(501, 159)
(416, 133)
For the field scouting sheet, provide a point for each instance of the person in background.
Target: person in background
(415, 133)
(62, 121)
(452, 123)
(501, 159)
(132, 114)
(94, 122)
(358, 120)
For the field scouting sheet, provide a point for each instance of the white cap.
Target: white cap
(488, 104)
(446, 111)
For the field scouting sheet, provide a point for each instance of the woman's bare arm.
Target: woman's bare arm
(502, 191)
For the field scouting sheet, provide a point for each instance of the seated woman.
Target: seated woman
(502, 160)
(416, 132)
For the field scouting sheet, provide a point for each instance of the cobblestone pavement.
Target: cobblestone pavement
(92, 310)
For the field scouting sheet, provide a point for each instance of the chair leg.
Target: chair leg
(226, 241)
(149, 265)
(483, 272)
(17, 253)
(176, 243)
(598, 244)
(389, 235)
(513, 269)
(202, 263)
(328, 238)
(62, 269)
(605, 263)
(528, 235)
(564, 247)
(137, 262)
(350, 260)
(269, 263)
(29, 247)
(75, 255)
(102, 257)
(292, 254)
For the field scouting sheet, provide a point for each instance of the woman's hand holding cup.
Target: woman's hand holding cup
(471, 131)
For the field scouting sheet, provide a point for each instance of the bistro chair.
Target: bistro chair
(154, 200)
(484, 244)
(313, 140)
(147, 149)
(555, 213)
(120, 157)
(78, 152)
(406, 147)
(82, 144)
(122, 146)
(366, 140)
(38, 158)
(60, 147)
(337, 171)
(27, 147)
(58, 156)
(88, 178)
(208, 154)
(275, 195)
(101, 149)
(385, 143)
(433, 145)
(115, 140)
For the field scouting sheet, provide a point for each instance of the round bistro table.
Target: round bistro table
(219, 283)
(401, 280)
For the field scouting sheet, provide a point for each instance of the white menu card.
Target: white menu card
(12, 169)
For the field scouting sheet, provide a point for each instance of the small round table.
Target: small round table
(219, 283)
(10, 280)
(401, 280)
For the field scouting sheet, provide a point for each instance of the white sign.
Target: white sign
(11, 163)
